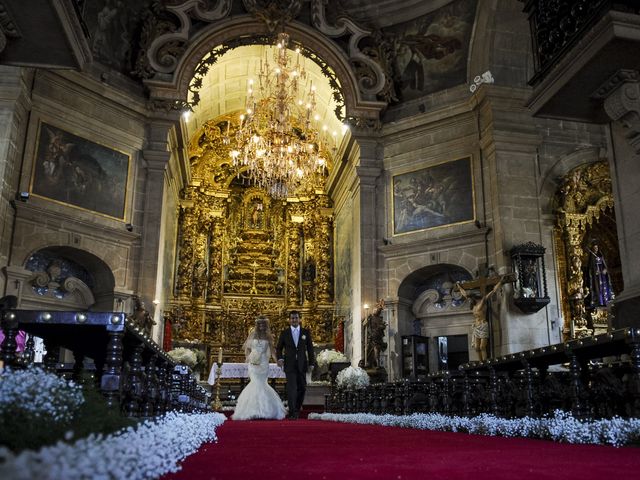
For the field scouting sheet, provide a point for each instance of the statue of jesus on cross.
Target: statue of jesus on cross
(481, 325)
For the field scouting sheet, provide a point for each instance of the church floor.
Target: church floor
(312, 449)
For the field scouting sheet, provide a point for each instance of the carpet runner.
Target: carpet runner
(312, 449)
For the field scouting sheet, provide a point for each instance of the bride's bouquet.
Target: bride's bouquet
(254, 357)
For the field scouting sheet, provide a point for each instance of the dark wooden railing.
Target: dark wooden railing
(130, 369)
(592, 377)
(557, 25)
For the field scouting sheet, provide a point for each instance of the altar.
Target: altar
(241, 370)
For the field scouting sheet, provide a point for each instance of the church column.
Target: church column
(156, 157)
(365, 202)
(15, 111)
(621, 94)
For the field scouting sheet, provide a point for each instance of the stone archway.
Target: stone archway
(184, 40)
(63, 278)
(430, 307)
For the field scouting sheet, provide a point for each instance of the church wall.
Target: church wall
(14, 113)
(509, 47)
(82, 106)
(530, 157)
(444, 133)
(345, 274)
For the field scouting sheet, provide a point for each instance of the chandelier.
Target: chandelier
(275, 140)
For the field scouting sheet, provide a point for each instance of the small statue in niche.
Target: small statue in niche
(599, 280)
(529, 278)
(199, 277)
(141, 317)
(255, 221)
(309, 271)
(376, 328)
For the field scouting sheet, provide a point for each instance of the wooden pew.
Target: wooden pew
(131, 370)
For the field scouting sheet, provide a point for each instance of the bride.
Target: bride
(258, 399)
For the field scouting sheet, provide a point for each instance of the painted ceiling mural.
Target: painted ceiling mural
(429, 40)
(431, 51)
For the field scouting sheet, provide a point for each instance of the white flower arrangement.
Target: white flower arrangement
(352, 377)
(184, 356)
(39, 393)
(328, 356)
(561, 427)
(149, 450)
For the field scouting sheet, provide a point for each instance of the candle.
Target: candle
(220, 355)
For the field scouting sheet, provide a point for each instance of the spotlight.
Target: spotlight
(23, 196)
(129, 227)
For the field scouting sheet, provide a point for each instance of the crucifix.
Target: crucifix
(481, 308)
(253, 286)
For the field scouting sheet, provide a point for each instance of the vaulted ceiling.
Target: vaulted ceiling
(224, 90)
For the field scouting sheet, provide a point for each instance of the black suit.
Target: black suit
(296, 363)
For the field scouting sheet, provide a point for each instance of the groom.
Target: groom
(295, 354)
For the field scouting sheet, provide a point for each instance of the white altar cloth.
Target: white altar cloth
(241, 370)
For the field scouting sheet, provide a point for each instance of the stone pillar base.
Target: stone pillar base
(626, 309)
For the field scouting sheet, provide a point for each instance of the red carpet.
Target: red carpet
(312, 449)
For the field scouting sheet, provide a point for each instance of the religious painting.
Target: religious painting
(433, 197)
(343, 241)
(431, 51)
(78, 172)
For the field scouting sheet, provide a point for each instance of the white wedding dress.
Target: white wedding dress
(258, 399)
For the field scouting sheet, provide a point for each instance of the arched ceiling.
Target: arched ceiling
(224, 90)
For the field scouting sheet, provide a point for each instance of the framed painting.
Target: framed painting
(75, 171)
(433, 197)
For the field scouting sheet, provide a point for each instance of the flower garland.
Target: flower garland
(149, 450)
(352, 377)
(325, 357)
(561, 427)
(39, 394)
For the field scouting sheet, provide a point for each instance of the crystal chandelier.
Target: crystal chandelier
(275, 141)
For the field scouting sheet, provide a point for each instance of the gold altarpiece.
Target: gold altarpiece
(584, 214)
(242, 253)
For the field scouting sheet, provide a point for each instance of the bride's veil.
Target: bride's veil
(263, 335)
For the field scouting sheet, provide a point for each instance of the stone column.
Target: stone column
(156, 157)
(15, 107)
(621, 94)
(365, 202)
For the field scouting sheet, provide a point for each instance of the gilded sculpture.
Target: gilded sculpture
(584, 201)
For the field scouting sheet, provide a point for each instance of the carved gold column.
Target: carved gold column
(294, 233)
(324, 251)
(214, 288)
(575, 283)
(188, 232)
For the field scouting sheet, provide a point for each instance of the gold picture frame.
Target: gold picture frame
(72, 170)
(435, 196)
